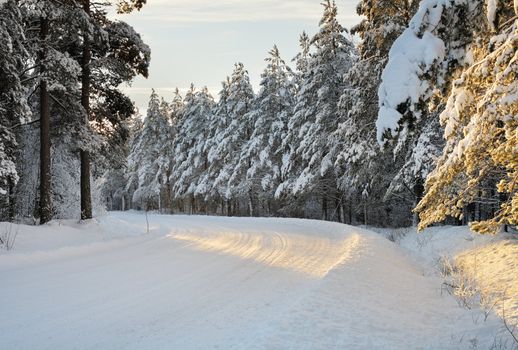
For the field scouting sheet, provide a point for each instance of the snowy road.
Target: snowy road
(220, 283)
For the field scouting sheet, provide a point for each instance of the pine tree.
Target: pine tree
(234, 131)
(215, 149)
(14, 108)
(56, 75)
(112, 53)
(480, 156)
(260, 161)
(316, 112)
(142, 165)
(165, 162)
(364, 168)
(191, 160)
(302, 58)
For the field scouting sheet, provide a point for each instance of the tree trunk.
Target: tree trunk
(324, 207)
(338, 208)
(250, 205)
(477, 207)
(365, 214)
(350, 212)
(344, 211)
(418, 193)
(86, 196)
(10, 199)
(45, 182)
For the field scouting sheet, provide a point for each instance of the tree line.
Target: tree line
(415, 124)
(418, 115)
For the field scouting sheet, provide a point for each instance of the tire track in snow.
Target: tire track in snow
(312, 255)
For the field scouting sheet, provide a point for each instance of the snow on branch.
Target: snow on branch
(411, 57)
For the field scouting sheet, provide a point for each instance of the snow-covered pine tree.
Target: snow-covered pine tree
(302, 58)
(14, 108)
(131, 167)
(174, 112)
(258, 168)
(111, 53)
(414, 86)
(51, 75)
(362, 164)
(164, 156)
(191, 158)
(290, 168)
(316, 111)
(142, 165)
(238, 103)
(214, 148)
(479, 164)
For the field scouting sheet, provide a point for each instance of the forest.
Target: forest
(408, 118)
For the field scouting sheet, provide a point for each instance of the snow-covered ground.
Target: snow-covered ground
(200, 282)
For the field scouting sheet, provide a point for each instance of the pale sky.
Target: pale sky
(199, 41)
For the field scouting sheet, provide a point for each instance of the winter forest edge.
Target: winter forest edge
(415, 124)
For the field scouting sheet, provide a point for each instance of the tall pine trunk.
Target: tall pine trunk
(45, 208)
(251, 205)
(324, 207)
(86, 197)
(10, 199)
(338, 207)
(418, 194)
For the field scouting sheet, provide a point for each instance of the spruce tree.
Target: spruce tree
(260, 161)
(14, 107)
(478, 167)
(316, 111)
(191, 158)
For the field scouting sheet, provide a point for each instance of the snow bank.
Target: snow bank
(494, 268)
(491, 262)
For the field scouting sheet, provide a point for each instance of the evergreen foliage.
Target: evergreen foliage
(421, 113)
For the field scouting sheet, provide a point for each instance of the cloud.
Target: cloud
(182, 12)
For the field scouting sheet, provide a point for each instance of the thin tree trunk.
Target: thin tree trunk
(477, 207)
(338, 208)
(418, 193)
(350, 212)
(250, 205)
(344, 211)
(324, 207)
(10, 199)
(86, 196)
(45, 182)
(365, 214)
